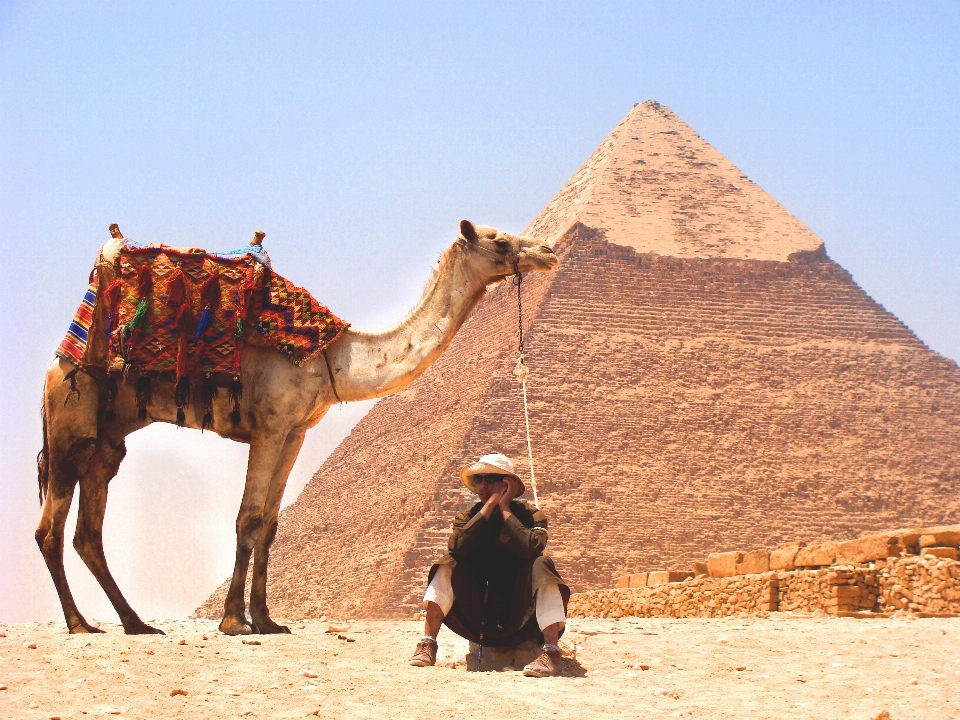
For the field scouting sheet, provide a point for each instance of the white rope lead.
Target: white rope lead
(521, 372)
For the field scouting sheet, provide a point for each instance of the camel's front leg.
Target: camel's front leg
(271, 509)
(265, 451)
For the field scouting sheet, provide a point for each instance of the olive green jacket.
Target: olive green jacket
(497, 569)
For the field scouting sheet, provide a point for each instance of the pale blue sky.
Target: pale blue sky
(358, 135)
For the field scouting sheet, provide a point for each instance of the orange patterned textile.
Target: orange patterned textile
(180, 315)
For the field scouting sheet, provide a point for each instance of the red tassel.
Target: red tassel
(112, 297)
(184, 330)
(210, 290)
(177, 288)
(144, 282)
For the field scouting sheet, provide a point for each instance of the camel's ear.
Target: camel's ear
(468, 231)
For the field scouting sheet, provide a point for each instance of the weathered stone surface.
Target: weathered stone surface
(723, 564)
(495, 659)
(638, 580)
(753, 562)
(816, 555)
(943, 552)
(659, 577)
(623, 581)
(869, 548)
(946, 535)
(927, 540)
(784, 556)
(916, 584)
(700, 568)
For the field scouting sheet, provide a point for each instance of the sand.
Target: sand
(781, 666)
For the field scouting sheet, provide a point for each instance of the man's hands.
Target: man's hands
(511, 492)
(501, 494)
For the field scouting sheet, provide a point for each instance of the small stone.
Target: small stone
(232, 693)
(205, 637)
(177, 691)
(644, 667)
(54, 717)
(308, 673)
(182, 642)
(913, 681)
(110, 711)
(3, 687)
(30, 645)
(741, 668)
(2, 634)
(250, 642)
(310, 688)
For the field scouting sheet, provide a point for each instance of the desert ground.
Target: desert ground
(777, 666)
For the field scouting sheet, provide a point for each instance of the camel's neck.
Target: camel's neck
(371, 365)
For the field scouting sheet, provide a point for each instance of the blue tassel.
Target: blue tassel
(205, 317)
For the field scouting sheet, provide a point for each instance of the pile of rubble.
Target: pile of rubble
(915, 570)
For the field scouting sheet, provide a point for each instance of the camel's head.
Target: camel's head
(498, 254)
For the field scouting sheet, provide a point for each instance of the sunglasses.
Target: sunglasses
(489, 478)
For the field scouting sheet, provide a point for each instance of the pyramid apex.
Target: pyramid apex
(655, 185)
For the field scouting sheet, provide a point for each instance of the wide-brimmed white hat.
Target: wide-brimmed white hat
(495, 463)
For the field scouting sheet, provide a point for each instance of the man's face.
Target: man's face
(487, 485)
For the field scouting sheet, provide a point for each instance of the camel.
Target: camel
(280, 402)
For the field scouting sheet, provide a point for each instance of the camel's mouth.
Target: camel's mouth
(539, 258)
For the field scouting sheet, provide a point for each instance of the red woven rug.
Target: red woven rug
(182, 315)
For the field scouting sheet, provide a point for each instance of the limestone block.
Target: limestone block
(867, 549)
(909, 537)
(495, 659)
(662, 577)
(946, 535)
(623, 581)
(638, 580)
(700, 568)
(754, 563)
(943, 552)
(817, 555)
(723, 564)
(928, 541)
(783, 557)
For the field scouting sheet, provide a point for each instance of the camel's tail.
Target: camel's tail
(43, 457)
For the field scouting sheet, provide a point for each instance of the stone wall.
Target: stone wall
(926, 585)
(891, 577)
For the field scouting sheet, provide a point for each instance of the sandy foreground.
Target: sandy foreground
(781, 666)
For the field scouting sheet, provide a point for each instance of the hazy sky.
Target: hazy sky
(358, 135)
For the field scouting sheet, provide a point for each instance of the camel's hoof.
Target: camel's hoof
(271, 628)
(143, 629)
(85, 627)
(233, 626)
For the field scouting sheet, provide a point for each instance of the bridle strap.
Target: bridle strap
(512, 258)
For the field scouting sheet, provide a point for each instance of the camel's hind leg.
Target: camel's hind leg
(70, 405)
(49, 537)
(88, 540)
(261, 555)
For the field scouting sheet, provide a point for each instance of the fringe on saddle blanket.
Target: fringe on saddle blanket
(181, 315)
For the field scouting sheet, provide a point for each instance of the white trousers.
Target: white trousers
(549, 600)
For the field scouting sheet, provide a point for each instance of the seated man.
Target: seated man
(496, 587)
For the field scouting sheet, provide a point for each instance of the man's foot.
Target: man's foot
(426, 653)
(549, 664)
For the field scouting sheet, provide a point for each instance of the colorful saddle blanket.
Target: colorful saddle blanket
(183, 313)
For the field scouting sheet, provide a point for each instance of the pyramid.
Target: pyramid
(703, 378)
